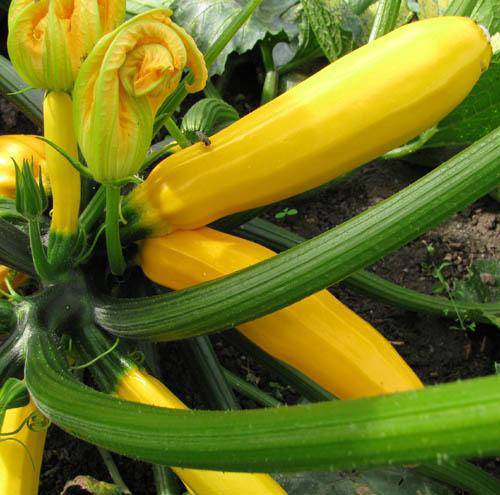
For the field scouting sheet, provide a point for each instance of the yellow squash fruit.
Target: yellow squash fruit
(374, 99)
(319, 335)
(20, 471)
(138, 386)
(121, 86)
(49, 39)
(21, 148)
(64, 179)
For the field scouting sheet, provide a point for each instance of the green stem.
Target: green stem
(40, 261)
(359, 6)
(385, 18)
(315, 264)
(113, 471)
(279, 239)
(166, 481)
(461, 8)
(250, 391)
(94, 211)
(270, 87)
(452, 420)
(409, 148)
(297, 63)
(11, 356)
(286, 373)
(176, 133)
(211, 91)
(209, 373)
(113, 242)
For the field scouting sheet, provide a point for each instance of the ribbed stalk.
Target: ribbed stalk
(435, 423)
(277, 238)
(64, 179)
(385, 18)
(7, 316)
(460, 7)
(315, 264)
(11, 358)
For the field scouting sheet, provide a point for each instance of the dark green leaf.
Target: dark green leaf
(13, 394)
(476, 116)
(206, 19)
(394, 481)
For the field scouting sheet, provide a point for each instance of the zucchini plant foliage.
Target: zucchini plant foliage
(85, 295)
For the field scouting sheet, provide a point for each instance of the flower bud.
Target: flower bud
(121, 85)
(49, 39)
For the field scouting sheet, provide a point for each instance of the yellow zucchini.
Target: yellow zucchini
(19, 147)
(138, 386)
(319, 335)
(364, 104)
(20, 471)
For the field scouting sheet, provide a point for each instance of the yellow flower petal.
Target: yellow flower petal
(120, 86)
(49, 39)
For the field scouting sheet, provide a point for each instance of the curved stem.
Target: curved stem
(451, 420)
(409, 148)
(270, 88)
(113, 242)
(277, 238)
(315, 264)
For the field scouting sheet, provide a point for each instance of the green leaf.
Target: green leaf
(206, 19)
(336, 27)
(476, 116)
(394, 481)
(135, 7)
(13, 394)
(14, 248)
(487, 13)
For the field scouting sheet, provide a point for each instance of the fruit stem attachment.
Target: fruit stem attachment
(113, 242)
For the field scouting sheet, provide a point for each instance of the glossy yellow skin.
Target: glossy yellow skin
(17, 476)
(64, 179)
(138, 386)
(364, 104)
(319, 335)
(19, 147)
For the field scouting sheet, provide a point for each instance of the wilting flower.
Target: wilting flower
(49, 39)
(121, 85)
(20, 148)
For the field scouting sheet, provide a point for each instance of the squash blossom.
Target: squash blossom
(121, 85)
(49, 39)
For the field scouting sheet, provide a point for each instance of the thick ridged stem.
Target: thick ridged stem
(315, 264)
(438, 422)
(462, 8)
(113, 241)
(279, 239)
(11, 356)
